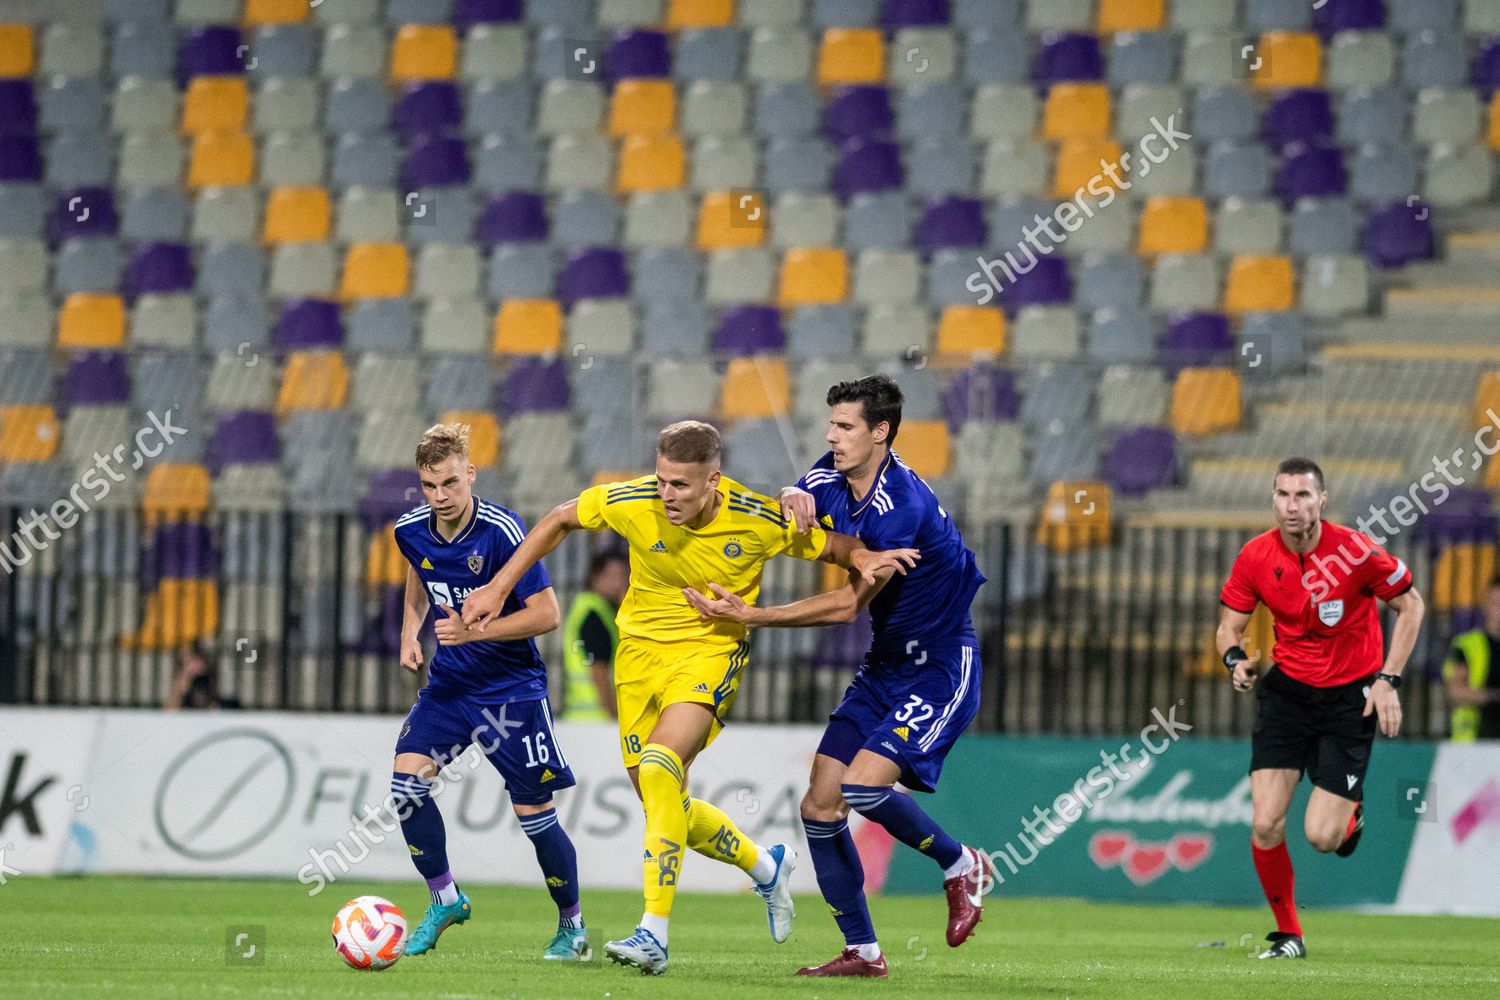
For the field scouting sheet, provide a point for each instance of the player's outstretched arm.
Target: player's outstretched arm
(413, 613)
(850, 553)
(545, 536)
(828, 608)
(540, 616)
(1382, 699)
(1243, 670)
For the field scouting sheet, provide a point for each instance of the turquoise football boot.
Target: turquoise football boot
(570, 945)
(438, 919)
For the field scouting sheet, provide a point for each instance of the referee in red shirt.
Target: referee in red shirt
(1327, 692)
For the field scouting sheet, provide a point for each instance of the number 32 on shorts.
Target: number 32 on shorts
(914, 712)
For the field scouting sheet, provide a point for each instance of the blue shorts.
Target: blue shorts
(516, 736)
(911, 708)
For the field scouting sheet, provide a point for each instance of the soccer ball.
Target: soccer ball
(369, 933)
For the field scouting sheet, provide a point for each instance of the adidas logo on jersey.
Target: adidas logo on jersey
(547, 774)
(660, 546)
(903, 732)
(426, 563)
(701, 688)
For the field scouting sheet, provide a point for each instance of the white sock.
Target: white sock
(869, 952)
(447, 895)
(962, 866)
(574, 922)
(764, 868)
(656, 925)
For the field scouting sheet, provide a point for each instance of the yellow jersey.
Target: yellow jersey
(730, 550)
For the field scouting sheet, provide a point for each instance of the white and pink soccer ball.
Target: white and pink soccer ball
(369, 933)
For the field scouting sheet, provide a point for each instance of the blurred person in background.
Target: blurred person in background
(590, 637)
(1473, 681)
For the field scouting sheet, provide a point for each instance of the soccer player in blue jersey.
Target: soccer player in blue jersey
(487, 685)
(918, 687)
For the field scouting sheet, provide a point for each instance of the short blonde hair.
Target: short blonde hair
(690, 441)
(442, 441)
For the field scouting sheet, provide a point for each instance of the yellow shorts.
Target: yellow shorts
(649, 676)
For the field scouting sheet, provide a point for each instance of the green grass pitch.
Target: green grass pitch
(166, 938)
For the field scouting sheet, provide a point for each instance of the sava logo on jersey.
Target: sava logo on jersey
(451, 596)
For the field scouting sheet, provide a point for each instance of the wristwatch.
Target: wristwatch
(1394, 680)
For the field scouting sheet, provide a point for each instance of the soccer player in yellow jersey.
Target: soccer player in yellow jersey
(676, 675)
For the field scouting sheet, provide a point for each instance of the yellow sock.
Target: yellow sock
(713, 834)
(660, 776)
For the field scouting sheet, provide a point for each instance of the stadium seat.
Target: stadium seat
(1205, 401)
(454, 326)
(755, 387)
(729, 219)
(1259, 284)
(1173, 225)
(1486, 398)
(28, 433)
(1285, 59)
(651, 163)
(971, 330)
(423, 52)
(296, 215)
(1078, 166)
(215, 104)
(1334, 285)
(1131, 396)
(887, 276)
(375, 270)
(1459, 575)
(813, 277)
(1077, 111)
(1076, 515)
(91, 321)
(738, 275)
(642, 107)
(851, 55)
(313, 380)
(220, 159)
(525, 326)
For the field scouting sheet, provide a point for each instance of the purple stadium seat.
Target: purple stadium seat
(513, 217)
(1487, 65)
(952, 222)
(427, 106)
(595, 273)
(83, 212)
(1310, 171)
(180, 550)
(1467, 516)
(392, 492)
(242, 437)
(96, 378)
(858, 111)
(20, 158)
(467, 13)
(842, 646)
(1298, 116)
(17, 108)
(536, 385)
(434, 161)
(1333, 16)
(1196, 339)
(982, 392)
(639, 53)
(1398, 234)
(158, 268)
(750, 330)
(913, 13)
(1066, 55)
(1141, 459)
(865, 165)
(210, 50)
(1047, 284)
(309, 324)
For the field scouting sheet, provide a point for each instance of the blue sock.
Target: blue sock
(841, 878)
(905, 821)
(422, 826)
(558, 861)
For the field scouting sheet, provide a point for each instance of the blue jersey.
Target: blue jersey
(930, 604)
(494, 671)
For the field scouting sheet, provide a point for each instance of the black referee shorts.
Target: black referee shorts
(1321, 731)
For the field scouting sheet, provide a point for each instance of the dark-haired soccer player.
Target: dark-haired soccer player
(1321, 582)
(486, 686)
(918, 687)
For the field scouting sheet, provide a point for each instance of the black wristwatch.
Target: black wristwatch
(1394, 680)
(1233, 655)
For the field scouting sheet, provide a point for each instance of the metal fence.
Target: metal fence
(1079, 642)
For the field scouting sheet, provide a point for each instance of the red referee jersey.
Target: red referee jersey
(1323, 602)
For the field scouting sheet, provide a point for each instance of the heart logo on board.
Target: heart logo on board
(1107, 848)
(1189, 850)
(1146, 863)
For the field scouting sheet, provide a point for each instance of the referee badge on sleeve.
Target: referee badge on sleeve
(1331, 612)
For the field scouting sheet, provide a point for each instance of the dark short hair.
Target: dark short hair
(880, 399)
(601, 560)
(1495, 582)
(1302, 467)
(690, 441)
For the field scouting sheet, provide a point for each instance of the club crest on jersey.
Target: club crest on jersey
(732, 550)
(476, 563)
(1331, 612)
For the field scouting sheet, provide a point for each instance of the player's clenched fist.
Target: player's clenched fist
(411, 654)
(450, 629)
(799, 507)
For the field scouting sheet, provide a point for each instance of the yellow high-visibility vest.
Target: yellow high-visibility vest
(580, 697)
(1475, 645)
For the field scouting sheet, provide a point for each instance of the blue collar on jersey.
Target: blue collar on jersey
(473, 517)
(874, 485)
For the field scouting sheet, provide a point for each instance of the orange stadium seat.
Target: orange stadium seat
(221, 159)
(177, 490)
(313, 380)
(424, 52)
(651, 163)
(1494, 130)
(384, 563)
(642, 107)
(1206, 401)
(528, 326)
(813, 276)
(970, 330)
(484, 434)
(296, 215)
(1075, 515)
(375, 271)
(1486, 398)
(1286, 59)
(925, 446)
(91, 320)
(276, 11)
(1076, 111)
(1260, 284)
(28, 433)
(1492, 477)
(1130, 15)
(851, 55)
(700, 14)
(1461, 575)
(1173, 225)
(1078, 164)
(178, 611)
(17, 52)
(755, 387)
(215, 104)
(729, 219)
